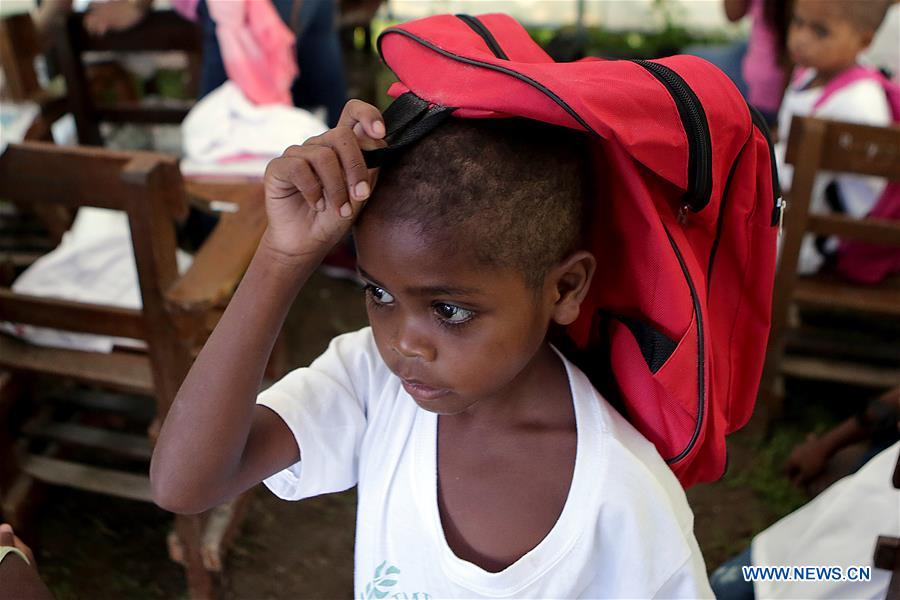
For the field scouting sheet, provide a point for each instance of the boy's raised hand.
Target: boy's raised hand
(314, 192)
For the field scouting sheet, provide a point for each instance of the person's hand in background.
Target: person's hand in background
(115, 15)
(19, 579)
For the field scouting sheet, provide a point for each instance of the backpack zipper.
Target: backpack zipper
(778, 209)
(696, 128)
(701, 369)
(500, 69)
(479, 28)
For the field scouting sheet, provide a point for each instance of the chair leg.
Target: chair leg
(19, 493)
(199, 543)
(202, 584)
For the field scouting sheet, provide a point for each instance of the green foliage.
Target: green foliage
(171, 83)
(631, 44)
(765, 475)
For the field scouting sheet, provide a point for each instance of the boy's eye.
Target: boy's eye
(452, 314)
(379, 295)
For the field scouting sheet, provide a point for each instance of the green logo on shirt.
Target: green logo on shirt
(384, 580)
(376, 588)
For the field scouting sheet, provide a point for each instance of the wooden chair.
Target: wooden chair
(159, 31)
(177, 314)
(19, 47)
(820, 352)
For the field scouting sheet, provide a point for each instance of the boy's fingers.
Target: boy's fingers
(367, 116)
(328, 169)
(290, 174)
(344, 144)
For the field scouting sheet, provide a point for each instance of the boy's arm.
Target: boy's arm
(216, 442)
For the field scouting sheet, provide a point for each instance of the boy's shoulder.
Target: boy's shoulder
(630, 470)
(644, 526)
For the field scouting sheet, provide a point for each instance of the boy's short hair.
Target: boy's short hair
(511, 191)
(864, 15)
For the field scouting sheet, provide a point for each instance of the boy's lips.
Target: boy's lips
(422, 392)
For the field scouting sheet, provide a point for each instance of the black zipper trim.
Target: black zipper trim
(761, 124)
(720, 221)
(701, 372)
(479, 28)
(469, 61)
(696, 128)
(758, 120)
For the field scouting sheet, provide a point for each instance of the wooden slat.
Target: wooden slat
(19, 259)
(132, 406)
(83, 477)
(875, 231)
(71, 316)
(81, 176)
(840, 371)
(850, 148)
(841, 344)
(224, 256)
(139, 113)
(159, 31)
(832, 293)
(132, 446)
(129, 372)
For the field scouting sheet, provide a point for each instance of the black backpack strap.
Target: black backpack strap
(407, 120)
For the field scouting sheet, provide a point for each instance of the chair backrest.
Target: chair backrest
(816, 145)
(146, 186)
(159, 31)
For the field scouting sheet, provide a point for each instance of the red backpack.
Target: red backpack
(685, 220)
(854, 260)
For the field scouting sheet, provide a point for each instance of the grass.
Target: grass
(764, 474)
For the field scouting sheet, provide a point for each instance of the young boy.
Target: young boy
(824, 40)
(486, 463)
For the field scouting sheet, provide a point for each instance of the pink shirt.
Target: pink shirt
(257, 47)
(765, 78)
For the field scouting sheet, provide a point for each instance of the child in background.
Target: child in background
(763, 67)
(824, 40)
(486, 463)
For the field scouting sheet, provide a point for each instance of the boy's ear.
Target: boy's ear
(570, 281)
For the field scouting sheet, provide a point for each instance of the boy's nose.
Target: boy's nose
(412, 344)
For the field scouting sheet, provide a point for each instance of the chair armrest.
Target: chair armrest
(220, 263)
(877, 231)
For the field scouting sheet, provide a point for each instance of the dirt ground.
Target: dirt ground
(92, 546)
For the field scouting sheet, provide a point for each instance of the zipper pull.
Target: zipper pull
(782, 206)
(683, 214)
